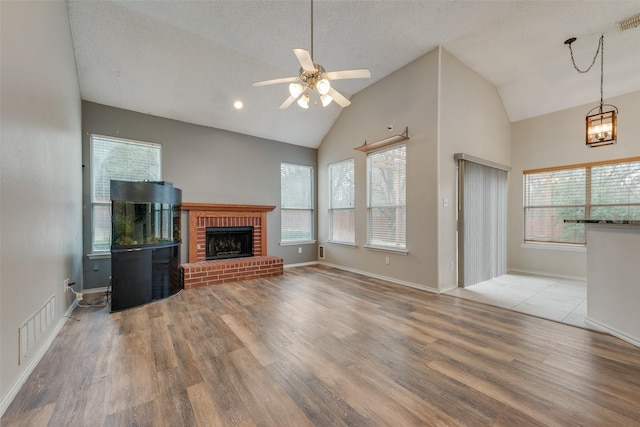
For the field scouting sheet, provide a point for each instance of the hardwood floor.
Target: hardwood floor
(320, 346)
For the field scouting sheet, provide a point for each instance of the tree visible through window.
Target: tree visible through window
(342, 202)
(608, 191)
(386, 198)
(296, 207)
(119, 159)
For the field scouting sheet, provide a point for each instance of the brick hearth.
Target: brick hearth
(230, 270)
(200, 272)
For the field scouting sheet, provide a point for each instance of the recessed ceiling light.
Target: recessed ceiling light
(237, 105)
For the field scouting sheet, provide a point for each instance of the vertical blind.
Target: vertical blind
(386, 198)
(342, 202)
(296, 202)
(119, 159)
(484, 218)
(604, 190)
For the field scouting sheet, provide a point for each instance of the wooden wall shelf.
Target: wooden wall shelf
(384, 142)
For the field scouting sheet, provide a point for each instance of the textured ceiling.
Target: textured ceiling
(190, 61)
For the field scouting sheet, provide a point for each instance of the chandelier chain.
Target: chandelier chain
(600, 51)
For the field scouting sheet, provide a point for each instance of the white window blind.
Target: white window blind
(342, 227)
(482, 239)
(593, 191)
(296, 187)
(119, 159)
(386, 198)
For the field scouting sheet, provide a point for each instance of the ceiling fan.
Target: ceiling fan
(313, 78)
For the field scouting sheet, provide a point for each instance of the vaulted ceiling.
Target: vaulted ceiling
(190, 60)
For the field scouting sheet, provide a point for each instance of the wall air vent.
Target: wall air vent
(630, 22)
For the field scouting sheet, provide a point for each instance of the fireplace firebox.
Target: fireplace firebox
(229, 242)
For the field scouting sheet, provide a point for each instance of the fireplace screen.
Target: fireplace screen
(229, 242)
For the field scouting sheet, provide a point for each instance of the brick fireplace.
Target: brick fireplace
(200, 272)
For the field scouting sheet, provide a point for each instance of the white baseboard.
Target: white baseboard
(611, 331)
(19, 382)
(301, 264)
(388, 279)
(545, 274)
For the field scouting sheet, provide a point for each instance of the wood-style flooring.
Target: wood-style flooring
(320, 346)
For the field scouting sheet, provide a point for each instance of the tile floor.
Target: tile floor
(562, 300)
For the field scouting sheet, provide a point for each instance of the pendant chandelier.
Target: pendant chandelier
(601, 125)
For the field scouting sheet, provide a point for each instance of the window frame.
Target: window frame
(352, 208)
(310, 209)
(587, 206)
(400, 245)
(94, 249)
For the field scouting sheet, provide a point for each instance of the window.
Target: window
(120, 159)
(296, 187)
(342, 211)
(386, 198)
(590, 191)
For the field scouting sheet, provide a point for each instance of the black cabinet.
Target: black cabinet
(145, 250)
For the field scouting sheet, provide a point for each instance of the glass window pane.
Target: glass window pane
(616, 212)
(296, 225)
(119, 159)
(615, 184)
(296, 192)
(386, 180)
(562, 187)
(342, 202)
(342, 225)
(547, 225)
(387, 227)
(101, 227)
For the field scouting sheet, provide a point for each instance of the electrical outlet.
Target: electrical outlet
(65, 285)
(386, 260)
(299, 250)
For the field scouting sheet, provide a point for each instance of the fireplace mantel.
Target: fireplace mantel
(202, 215)
(225, 207)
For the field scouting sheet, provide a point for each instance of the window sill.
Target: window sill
(337, 243)
(566, 247)
(99, 255)
(297, 242)
(387, 249)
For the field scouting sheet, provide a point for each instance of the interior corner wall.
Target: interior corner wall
(558, 139)
(41, 180)
(473, 121)
(405, 98)
(209, 165)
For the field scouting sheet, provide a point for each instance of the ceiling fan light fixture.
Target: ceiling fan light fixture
(323, 86)
(295, 89)
(304, 101)
(326, 99)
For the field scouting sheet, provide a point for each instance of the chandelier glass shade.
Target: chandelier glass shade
(602, 126)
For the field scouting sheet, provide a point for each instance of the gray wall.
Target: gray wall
(41, 186)
(209, 165)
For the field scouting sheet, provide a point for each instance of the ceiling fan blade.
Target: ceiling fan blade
(275, 81)
(361, 73)
(304, 57)
(287, 102)
(339, 98)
